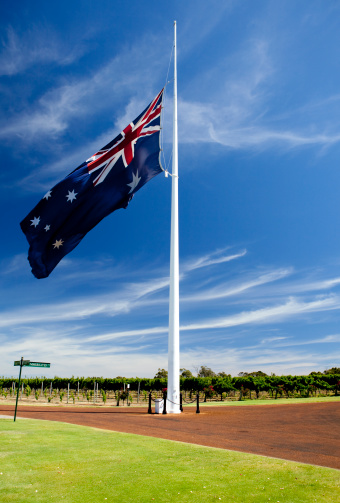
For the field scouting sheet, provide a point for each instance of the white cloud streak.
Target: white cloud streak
(68, 329)
(241, 113)
(84, 308)
(225, 290)
(209, 260)
(292, 307)
(66, 352)
(53, 113)
(37, 46)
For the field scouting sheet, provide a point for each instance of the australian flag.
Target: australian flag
(104, 183)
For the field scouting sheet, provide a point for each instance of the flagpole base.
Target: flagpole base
(172, 408)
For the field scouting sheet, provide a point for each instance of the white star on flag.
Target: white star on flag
(48, 194)
(58, 243)
(134, 183)
(47, 227)
(35, 221)
(71, 195)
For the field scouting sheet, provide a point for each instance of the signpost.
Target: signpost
(26, 363)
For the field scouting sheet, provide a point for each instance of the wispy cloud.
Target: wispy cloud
(84, 325)
(129, 333)
(54, 111)
(64, 352)
(233, 359)
(83, 308)
(16, 263)
(226, 290)
(292, 307)
(324, 284)
(240, 113)
(281, 342)
(36, 46)
(211, 259)
(241, 128)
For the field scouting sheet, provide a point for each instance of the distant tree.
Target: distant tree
(161, 374)
(333, 370)
(205, 372)
(258, 373)
(186, 373)
(242, 374)
(223, 374)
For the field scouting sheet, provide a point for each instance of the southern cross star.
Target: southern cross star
(135, 182)
(58, 243)
(47, 228)
(35, 221)
(71, 196)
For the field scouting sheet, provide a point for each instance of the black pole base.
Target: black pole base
(164, 403)
(149, 409)
(198, 404)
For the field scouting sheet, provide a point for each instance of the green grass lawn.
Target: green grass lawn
(43, 461)
(278, 401)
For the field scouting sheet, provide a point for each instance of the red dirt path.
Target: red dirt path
(309, 433)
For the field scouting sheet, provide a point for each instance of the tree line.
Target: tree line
(217, 384)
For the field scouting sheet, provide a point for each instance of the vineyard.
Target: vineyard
(124, 391)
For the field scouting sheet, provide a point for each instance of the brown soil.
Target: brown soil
(307, 433)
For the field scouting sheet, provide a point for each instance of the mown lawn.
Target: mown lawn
(42, 461)
(272, 401)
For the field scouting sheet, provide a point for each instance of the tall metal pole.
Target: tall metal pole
(173, 398)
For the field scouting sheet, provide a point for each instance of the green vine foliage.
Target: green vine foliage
(286, 386)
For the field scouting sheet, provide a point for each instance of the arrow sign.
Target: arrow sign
(38, 364)
(28, 363)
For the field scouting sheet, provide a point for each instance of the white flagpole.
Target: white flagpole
(173, 395)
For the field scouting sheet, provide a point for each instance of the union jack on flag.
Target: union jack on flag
(104, 183)
(145, 125)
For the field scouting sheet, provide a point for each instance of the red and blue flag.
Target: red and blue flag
(104, 183)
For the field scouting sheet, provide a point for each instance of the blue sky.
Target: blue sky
(259, 150)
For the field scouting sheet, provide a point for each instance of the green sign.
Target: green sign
(38, 364)
(24, 363)
(28, 363)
